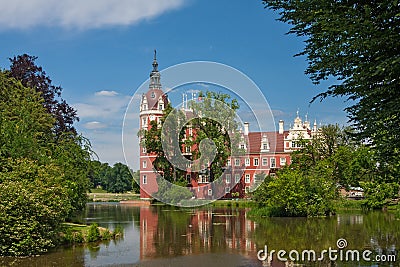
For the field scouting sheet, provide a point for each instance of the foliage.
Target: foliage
(379, 195)
(118, 231)
(332, 149)
(120, 179)
(202, 119)
(24, 69)
(171, 193)
(223, 133)
(33, 204)
(308, 187)
(43, 165)
(357, 43)
(295, 194)
(152, 141)
(93, 234)
(115, 179)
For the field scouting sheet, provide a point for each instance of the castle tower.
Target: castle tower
(152, 105)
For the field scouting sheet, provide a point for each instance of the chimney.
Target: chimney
(246, 128)
(281, 127)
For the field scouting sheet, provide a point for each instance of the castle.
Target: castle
(266, 151)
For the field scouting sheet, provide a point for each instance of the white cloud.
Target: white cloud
(106, 93)
(101, 122)
(102, 107)
(94, 125)
(86, 14)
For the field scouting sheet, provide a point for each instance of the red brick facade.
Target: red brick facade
(266, 151)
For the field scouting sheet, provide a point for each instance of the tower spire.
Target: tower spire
(155, 63)
(155, 74)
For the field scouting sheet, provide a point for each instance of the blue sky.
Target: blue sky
(101, 51)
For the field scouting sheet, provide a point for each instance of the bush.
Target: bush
(378, 195)
(78, 237)
(295, 194)
(118, 231)
(31, 209)
(93, 234)
(106, 235)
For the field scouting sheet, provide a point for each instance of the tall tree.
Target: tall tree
(41, 181)
(212, 118)
(358, 44)
(24, 69)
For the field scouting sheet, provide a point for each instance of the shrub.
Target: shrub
(31, 209)
(106, 235)
(93, 234)
(118, 231)
(294, 193)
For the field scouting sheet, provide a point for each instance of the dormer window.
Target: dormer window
(264, 144)
(161, 107)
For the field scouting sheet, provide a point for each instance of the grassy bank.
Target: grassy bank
(79, 233)
(240, 203)
(98, 195)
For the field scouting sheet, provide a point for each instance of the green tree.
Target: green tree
(152, 141)
(294, 193)
(43, 174)
(224, 133)
(120, 179)
(24, 69)
(203, 120)
(136, 181)
(33, 205)
(357, 44)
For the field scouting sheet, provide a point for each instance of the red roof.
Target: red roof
(276, 141)
(152, 97)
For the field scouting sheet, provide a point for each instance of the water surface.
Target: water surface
(165, 236)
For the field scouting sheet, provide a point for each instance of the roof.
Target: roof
(152, 97)
(275, 139)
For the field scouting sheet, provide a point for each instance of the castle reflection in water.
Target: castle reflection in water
(173, 232)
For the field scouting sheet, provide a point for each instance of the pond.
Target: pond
(167, 236)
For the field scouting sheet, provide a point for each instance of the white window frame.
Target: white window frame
(144, 164)
(282, 161)
(228, 162)
(237, 162)
(273, 162)
(265, 161)
(237, 178)
(247, 189)
(209, 192)
(247, 162)
(256, 161)
(144, 179)
(228, 178)
(247, 178)
(227, 190)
